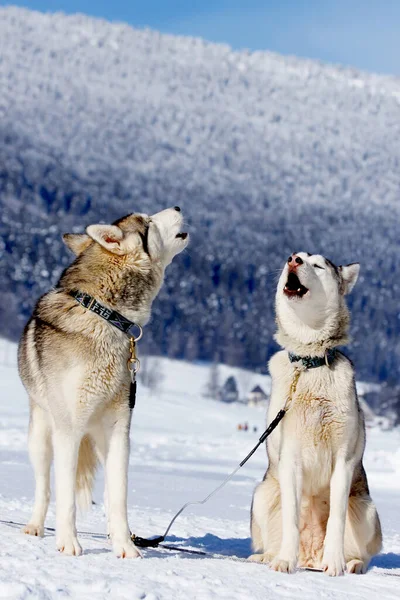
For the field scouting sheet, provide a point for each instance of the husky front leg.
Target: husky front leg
(333, 562)
(290, 483)
(66, 450)
(117, 461)
(41, 454)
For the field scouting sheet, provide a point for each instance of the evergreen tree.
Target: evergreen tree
(229, 391)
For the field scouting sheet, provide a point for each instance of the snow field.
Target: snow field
(183, 445)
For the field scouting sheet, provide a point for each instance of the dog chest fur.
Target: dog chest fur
(322, 415)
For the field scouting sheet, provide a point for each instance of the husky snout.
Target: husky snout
(169, 223)
(294, 262)
(293, 287)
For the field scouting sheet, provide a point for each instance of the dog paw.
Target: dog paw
(283, 566)
(32, 529)
(69, 546)
(126, 550)
(356, 566)
(333, 564)
(265, 558)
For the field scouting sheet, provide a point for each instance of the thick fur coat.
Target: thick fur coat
(74, 367)
(313, 508)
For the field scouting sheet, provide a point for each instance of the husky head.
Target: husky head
(311, 311)
(158, 236)
(124, 263)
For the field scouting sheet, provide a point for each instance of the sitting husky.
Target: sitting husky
(313, 508)
(73, 364)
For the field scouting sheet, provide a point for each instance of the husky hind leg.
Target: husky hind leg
(363, 534)
(98, 435)
(266, 520)
(41, 455)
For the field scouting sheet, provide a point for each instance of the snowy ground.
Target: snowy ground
(182, 446)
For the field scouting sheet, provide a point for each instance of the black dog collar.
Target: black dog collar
(112, 316)
(312, 362)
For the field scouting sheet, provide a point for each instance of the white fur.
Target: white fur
(315, 450)
(162, 235)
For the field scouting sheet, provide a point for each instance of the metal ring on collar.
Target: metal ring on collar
(134, 364)
(136, 339)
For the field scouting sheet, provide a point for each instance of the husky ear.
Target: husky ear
(349, 275)
(77, 242)
(108, 236)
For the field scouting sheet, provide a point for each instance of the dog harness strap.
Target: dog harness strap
(312, 362)
(112, 316)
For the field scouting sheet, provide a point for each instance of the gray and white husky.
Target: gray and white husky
(74, 367)
(313, 507)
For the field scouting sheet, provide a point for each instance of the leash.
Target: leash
(102, 536)
(97, 537)
(156, 541)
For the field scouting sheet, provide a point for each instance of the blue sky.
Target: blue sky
(360, 33)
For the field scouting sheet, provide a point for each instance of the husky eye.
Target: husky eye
(318, 267)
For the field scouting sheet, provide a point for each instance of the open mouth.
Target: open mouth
(182, 236)
(293, 287)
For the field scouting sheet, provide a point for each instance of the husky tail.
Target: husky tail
(85, 473)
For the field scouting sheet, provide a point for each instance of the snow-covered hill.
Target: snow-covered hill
(265, 154)
(183, 445)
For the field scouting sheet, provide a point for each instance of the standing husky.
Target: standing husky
(313, 506)
(74, 366)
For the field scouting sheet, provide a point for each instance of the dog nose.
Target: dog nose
(294, 261)
(177, 208)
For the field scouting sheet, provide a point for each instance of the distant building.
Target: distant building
(256, 396)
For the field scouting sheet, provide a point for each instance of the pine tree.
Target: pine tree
(212, 387)
(229, 391)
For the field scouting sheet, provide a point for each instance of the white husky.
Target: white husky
(313, 507)
(73, 364)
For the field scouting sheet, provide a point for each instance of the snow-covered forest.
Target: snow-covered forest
(265, 155)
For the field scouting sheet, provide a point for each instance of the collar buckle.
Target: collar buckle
(133, 363)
